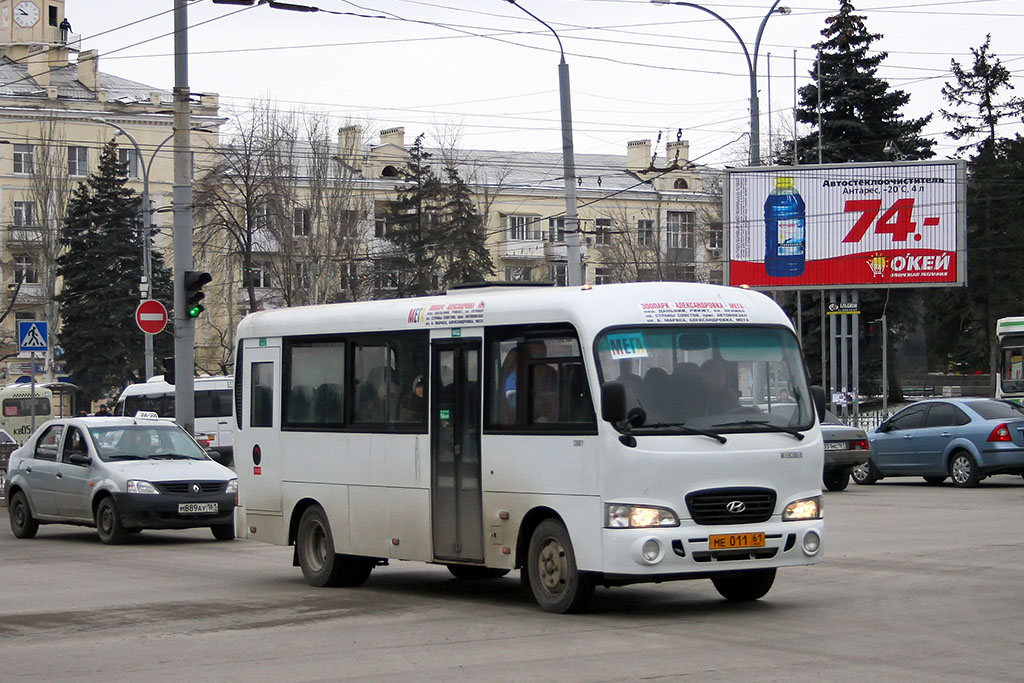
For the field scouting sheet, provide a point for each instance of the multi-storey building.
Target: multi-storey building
(57, 111)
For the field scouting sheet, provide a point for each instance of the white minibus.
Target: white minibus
(586, 436)
(213, 422)
(16, 408)
(1010, 359)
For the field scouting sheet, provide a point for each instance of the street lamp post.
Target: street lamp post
(573, 266)
(755, 131)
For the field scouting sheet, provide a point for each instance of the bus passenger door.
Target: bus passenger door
(258, 456)
(457, 516)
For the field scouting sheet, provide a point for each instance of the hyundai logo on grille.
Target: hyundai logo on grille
(196, 489)
(735, 506)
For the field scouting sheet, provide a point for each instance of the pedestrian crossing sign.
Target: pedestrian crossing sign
(33, 335)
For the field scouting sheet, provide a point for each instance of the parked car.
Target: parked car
(966, 439)
(120, 475)
(845, 448)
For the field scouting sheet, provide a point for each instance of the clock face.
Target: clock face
(26, 14)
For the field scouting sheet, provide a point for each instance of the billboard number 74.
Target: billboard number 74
(847, 225)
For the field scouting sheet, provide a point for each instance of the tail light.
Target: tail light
(860, 445)
(204, 440)
(1000, 433)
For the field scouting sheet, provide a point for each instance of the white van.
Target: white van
(213, 409)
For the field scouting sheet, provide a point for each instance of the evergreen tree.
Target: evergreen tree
(436, 229)
(979, 90)
(860, 115)
(100, 267)
(466, 258)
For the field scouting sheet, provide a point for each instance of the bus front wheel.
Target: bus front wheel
(745, 586)
(556, 582)
(320, 564)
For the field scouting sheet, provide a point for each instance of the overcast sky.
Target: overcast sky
(486, 69)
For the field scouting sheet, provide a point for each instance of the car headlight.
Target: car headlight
(232, 486)
(805, 508)
(637, 516)
(140, 486)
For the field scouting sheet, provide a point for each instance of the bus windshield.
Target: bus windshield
(723, 379)
(1011, 364)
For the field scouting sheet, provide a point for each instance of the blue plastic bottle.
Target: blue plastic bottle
(784, 230)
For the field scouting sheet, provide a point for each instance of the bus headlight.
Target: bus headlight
(618, 516)
(232, 486)
(139, 486)
(805, 508)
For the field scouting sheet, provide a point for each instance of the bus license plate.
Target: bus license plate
(730, 541)
(193, 508)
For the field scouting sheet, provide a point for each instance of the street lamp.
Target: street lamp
(755, 132)
(573, 270)
(146, 290)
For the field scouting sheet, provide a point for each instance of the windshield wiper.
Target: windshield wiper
(127, 456)
(762, 423)
(172, 456)
(680, 426)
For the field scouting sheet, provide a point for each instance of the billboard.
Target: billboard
(847, 225)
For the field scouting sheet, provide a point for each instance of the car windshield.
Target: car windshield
(997, 410)
(722, 379)
(145, 442)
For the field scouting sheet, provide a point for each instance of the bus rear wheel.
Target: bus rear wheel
(321, 566)
(556, 582)
(745, 586)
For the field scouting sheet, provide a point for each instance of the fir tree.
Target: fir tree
(100, 268)
(466, 258)
(860, 115)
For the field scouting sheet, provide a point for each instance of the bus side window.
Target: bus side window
(261, 407)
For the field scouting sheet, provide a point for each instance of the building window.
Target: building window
(78, 161)
(20, 316)
(556, 230)
(679, 229)
(556, 273)
(129, 160)
(257, 276)
(680, 184)
(303, 222)
(681, 273)
(603, 276)
(381, 225)
(303, 275)
(25, 270)
(523, 228)
(716, 276)
(24, 159)
(715, 236)
(517, 274)
(645, 233)
(603, 232)
(24, 213)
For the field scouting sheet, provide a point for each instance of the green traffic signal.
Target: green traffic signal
(194, 282)
(195, 310)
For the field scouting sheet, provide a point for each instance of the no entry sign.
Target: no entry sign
(151, 316)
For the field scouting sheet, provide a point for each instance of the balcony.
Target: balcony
(264, 242)
(522, 249)
(558, 251)
(29, 293)
(24, 236)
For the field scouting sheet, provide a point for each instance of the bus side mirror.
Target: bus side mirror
(613, 402)
(818, 396)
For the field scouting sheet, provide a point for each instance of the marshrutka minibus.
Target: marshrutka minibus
(586, 436)
(1010, 359)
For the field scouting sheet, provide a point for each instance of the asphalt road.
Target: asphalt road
(920, 583)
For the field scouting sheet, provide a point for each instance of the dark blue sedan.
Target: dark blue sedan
(966, 439)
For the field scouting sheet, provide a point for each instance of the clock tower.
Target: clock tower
(31, 26)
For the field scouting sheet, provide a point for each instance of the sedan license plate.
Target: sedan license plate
(193, 508)
(835, 445)
(731, 541)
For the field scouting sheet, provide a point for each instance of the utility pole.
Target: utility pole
(184, 327)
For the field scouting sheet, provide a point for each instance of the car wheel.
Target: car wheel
(865, 474)
(223, 532)
(936, 480)
(465, 571)
(557, 584)
(746, 586)
(321, 566)
(836, 480)
(963, 470)
(23, 524)
(108, 523)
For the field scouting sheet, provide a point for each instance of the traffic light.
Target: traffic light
(194, 282)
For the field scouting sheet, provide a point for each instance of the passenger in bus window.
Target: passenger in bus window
(720, 397)
(413, 405)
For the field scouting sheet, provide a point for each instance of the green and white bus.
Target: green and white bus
(1010, 359)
